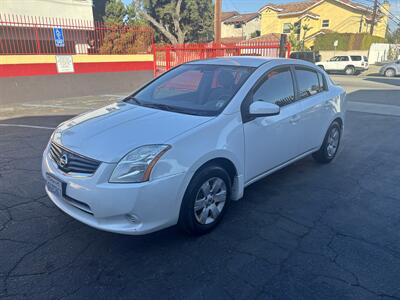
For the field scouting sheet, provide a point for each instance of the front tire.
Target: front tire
(330, 146)
(206, 200)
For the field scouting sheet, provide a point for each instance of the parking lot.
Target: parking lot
(308, 231)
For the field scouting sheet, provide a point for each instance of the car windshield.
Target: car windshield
(193, 89)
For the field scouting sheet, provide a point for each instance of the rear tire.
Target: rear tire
(205, 201)
(330, 146)
(390, 72)
(349, 70)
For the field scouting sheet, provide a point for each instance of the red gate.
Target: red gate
(167, 57)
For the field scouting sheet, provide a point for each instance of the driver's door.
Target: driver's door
(273, 140)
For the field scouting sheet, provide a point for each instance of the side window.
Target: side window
(355, 58)
(277, 88)
(344, 58)
(308, 82)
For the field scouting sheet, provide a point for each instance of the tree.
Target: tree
(121, 34)
(179, 21)
(115, 12)
(306, 28)
(393, 37)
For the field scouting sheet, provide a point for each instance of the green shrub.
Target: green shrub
(346, 41)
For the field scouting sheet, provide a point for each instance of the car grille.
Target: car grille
(70, 162)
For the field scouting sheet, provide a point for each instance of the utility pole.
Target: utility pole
(374, 17)
(217, 21)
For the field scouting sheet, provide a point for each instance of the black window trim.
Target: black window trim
(244, 108)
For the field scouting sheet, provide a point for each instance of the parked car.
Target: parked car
(178, 150)
(310, 56)
(348, 64)
(391, 69)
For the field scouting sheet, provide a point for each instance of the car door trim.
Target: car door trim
(278, 167)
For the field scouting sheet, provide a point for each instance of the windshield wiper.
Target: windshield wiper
(133, 99)
(161, 106)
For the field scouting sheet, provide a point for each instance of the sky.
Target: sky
(244, 6)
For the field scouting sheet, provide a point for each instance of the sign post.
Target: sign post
(58, 36)
(335, 44)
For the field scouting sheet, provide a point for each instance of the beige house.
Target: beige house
(235, 25)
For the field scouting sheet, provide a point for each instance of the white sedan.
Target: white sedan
(179, 149)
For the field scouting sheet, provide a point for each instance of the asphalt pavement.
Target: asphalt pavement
(309, 231)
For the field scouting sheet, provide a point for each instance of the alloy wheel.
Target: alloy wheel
(333, 142)
(210, 200)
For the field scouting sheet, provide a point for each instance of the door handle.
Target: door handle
(294, 119)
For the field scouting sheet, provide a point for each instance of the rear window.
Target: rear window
(365, 58)
(355, 58)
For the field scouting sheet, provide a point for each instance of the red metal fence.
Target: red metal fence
(34, 35)
(167, 57)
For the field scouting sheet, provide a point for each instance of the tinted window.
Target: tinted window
(308, 82)
(365, 58)
(355, 58)
(277, 88)
(193, 89)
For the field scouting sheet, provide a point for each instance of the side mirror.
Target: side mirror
(261, 108)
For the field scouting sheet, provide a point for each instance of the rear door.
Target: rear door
(342, 62)
(313, 96)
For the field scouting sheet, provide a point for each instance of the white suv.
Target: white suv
(182, 147)
(349, 64)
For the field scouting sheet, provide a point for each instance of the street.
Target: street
(308, 231)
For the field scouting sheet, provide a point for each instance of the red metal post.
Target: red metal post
(168, 58)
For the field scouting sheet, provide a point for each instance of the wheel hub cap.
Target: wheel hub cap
(210, 200)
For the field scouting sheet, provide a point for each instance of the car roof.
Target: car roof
(245, 61)
(251, 61)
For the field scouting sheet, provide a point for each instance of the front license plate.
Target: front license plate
(54, 185)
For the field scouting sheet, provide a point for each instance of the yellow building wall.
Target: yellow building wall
(341, 18)
(381, 26)
(270, 22)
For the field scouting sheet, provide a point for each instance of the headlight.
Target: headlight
(136, 166)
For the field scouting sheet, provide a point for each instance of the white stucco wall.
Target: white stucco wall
(229, 30)
(69, 9)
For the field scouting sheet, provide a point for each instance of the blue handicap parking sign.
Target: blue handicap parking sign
(58, 36)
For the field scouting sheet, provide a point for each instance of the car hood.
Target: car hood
(109, 133)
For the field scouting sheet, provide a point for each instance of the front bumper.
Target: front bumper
(136, 208)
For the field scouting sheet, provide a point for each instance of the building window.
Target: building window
(286, 27)
(238, 25)
(325, 23)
